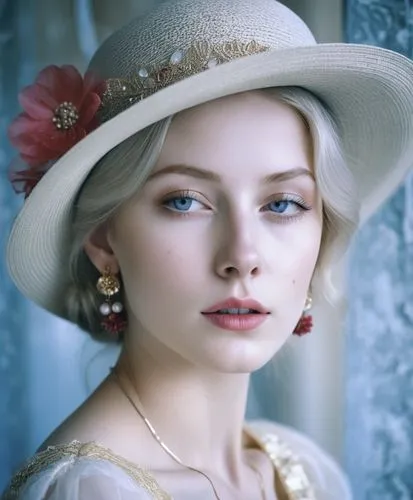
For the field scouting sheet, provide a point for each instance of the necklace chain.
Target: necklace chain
(171, 453)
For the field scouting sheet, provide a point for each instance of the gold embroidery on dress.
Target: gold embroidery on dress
(120, 93)
(287, 466)
(290, 471)
(75, 449)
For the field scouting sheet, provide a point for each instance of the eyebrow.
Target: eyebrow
(201, 173)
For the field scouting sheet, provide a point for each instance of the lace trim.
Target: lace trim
(288, 468)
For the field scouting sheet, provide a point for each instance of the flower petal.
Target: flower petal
(35, 152)
(49, 77)
(38, 102)
(88, 110)
(24, 179)
(41, 141)
(42, 157)
(23, 128)
(92, 83)
(22, 124)
(72, 85)
(38, 153)
(65, 83)
(60, 142)
(31, 139)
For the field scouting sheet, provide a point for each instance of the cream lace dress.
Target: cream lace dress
(88, 471)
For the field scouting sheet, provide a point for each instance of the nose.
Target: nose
(237, 255)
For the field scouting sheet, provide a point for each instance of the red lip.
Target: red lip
(237, 322)
(234, 303)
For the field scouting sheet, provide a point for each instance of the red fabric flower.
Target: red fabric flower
(304, 325)
(59, 110)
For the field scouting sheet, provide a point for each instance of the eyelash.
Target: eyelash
(297, 200)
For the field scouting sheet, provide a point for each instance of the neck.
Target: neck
(199, 414)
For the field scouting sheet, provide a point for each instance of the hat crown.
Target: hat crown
(176, 25)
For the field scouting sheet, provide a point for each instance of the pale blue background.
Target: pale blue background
(379, 373)
(16, 42)
(379, 426)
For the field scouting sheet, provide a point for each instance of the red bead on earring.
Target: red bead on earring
(305, 323)
(114, 323)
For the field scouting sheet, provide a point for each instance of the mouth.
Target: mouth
(237, 307)
(237, 315)
(235, 311)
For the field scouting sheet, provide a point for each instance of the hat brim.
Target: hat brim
(368, 89)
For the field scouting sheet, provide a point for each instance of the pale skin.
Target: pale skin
(228, 226)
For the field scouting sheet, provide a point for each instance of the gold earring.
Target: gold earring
(108, 284)
(114, 318)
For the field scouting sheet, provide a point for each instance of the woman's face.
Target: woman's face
(231, 210)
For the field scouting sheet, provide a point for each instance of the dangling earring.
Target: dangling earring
(305, 323)
(114, 318)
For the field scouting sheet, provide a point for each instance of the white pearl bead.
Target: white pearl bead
(177, 57)
(104, 309)
(117, 307)
(143, 73)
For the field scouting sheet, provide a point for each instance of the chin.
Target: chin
(240, 358)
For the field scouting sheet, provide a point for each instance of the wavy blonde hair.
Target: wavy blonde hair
(121, 173)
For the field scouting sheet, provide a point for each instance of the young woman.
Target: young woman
(187, 199)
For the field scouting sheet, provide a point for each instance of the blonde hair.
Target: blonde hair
(122, 172)
(335, 183)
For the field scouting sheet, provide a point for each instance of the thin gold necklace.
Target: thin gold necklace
(171, 453)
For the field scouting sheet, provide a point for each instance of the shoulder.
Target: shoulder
(81, 471)
(325, 475)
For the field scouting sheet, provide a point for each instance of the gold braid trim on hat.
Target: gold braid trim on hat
(121, 93)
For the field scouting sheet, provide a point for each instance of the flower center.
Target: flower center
(65, 116)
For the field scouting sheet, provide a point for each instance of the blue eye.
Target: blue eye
(279, 206)
(287, 207)
(182, 204)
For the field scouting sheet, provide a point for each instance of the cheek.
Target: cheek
(294, 273)
(304, 257)
(297, 251)
(156, 265)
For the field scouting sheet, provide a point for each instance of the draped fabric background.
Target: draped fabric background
(47, 367)
(379, 424)
(16, 68)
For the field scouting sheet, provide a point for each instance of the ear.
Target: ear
(99, 251)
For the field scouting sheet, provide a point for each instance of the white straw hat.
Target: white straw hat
(187, 52)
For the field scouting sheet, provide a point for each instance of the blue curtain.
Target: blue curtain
(379, 426)
(16, 69)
